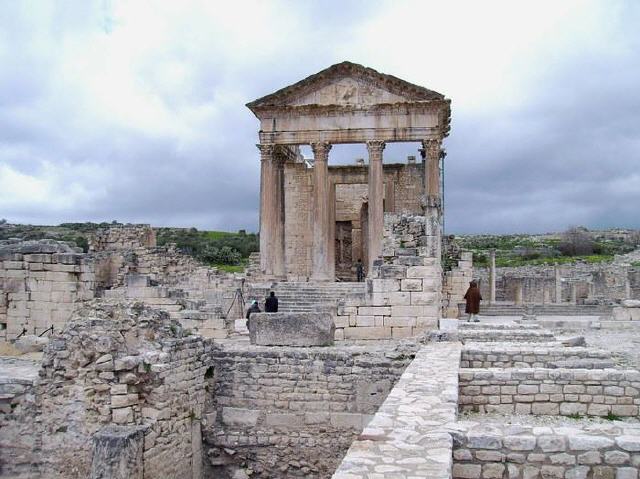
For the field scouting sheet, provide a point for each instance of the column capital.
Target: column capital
(432, 148)
(321, 150)
(266, 150)
(375, 146)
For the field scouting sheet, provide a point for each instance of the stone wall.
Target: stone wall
(484, 450)
(403, 190)
(122, 365)
(122, 237)
(551, 391)
(293, 412)
(403, 293)
(514, 356)
(40, 285)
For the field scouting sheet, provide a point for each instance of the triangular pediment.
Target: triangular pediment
(346, 84)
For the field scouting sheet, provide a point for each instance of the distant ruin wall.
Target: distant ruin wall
(122, 237)
(293, 412)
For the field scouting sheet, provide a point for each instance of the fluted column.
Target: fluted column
(271, 227)
(321, 267)
(376, 201)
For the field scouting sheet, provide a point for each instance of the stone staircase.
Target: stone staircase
(315, 296)
(563, 309)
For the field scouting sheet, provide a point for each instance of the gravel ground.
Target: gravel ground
(539, 421)
(624, 345)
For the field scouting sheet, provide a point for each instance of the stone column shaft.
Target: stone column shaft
(432, 173)
(271, 227)
(518, 299)
(376, 201)
(321, 267)
(558, 284)
(492, 276)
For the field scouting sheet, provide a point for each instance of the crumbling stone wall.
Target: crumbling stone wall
(122, 237)
(403, 294)
(292, 412)
(123, 365)
(510, 356)
(41, 282)
(564, 392)
(455, 284)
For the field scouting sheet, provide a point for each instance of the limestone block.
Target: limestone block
(291, 329)
(347, 420)
(385, 285)
(31, 343)
(122, 416)
(423, 299)
(374, 310)
(284, 420)
(411, 285)
(118, 453)
(367, 333)
(365, 321)
(399, 332)
(400, 321)
(233, 416)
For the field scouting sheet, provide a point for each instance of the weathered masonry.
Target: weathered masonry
(300, 226)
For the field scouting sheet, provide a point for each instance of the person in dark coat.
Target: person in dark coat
(473, 298)
(254, 308)
(271, 303)
(360, 271)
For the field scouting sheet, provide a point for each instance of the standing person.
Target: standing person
(360, 270)
(254, 308)
(271, 303)
(473, 298)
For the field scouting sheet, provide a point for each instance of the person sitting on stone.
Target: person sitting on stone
(271, 303)
(254, 308)
(473, 298)
(360, 270)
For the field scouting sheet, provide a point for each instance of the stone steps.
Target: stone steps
(563, 309)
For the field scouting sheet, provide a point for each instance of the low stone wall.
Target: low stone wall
(502, 356)
(596, 392)
(483, 450)
(403, 293)
(408, 436)
(456, 283)
(505, 335)
(293, 412)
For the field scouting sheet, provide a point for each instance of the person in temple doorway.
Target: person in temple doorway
(271, 303)
(360, 271)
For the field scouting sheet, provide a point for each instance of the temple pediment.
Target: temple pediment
(346, 84)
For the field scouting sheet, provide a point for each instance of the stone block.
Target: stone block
(397, 332)
(285, 420)
(122, 416)
(346, 420)
(424, 299)
(411, 285)
(367, 333)
(467, 471)
(365, 321)
(292, 329)
(234, 416)
(118, 453)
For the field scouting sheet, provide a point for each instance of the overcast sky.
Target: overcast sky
(134, 110)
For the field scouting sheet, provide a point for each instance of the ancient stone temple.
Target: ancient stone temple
(316, 220)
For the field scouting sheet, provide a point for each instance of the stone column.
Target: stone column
(432, 173)
(558, 284)
(518, 299)
(376, 201)
(321, 267)
(572, 290)
(627, 287)
(492, 276)
(271, 207)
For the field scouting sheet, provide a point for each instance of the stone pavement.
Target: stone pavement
(406, 438)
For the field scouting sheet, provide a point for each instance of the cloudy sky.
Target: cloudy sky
(134, 110)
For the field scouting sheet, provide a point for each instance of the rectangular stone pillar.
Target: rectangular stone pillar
(321, 267)
(492, 276)
(376, 201)
(573, 293)
(432, 202)
(271, 213)
(518, 298)
(558, 284)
